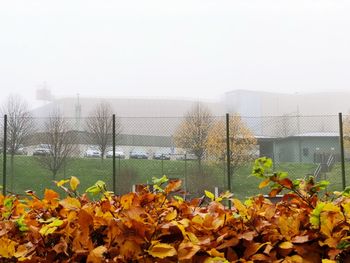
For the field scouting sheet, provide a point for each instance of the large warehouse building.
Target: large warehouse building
(270, 116)
(267, 114)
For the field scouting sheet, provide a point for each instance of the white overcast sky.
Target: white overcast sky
(182, 48)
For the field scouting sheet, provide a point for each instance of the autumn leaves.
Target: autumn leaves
(159, 226)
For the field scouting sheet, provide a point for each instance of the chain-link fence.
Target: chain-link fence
(128, 151)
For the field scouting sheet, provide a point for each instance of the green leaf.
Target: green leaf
(22, 226)
(160, 181)
(210, 195)
(282, 175)
(343, 244)
(296, 182)
(178, 198)
(248, 202)
(8, 203)
(261, 166)
(51, 219)
(158, 188)
(50, 228)
(346, 192)
(98, 187)
(323, 184)
(315, 214)
(56, 222)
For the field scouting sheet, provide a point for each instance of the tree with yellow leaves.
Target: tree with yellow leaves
(242, 141)
(346, 133)
(192, 133)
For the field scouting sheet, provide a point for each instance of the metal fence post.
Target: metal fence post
(162, 164)
(4, 157)
(228, 152)
(186, 185)
(228, 155)
(113, 141)
(341, 134)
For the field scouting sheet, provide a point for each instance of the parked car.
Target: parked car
(94, 153)
(161, 156)
(21, 151)
(138, 154)
(118, 154)
(42, 149)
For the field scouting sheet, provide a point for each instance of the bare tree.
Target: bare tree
(20, 125)
(100, 125)
(192, 134)
(59, 142)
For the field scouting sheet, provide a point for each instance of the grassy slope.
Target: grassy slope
(29, 175)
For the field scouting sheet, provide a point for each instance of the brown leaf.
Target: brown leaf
(130, 249)
(228, 243)
(287, 183)
(300, 239)
(96, 255)
(61, 247)
(187, 250)
(252, 248)
(247, 235)
(260, 257)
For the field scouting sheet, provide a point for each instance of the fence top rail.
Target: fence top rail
(184, 116)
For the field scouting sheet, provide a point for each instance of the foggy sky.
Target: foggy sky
(181, 48)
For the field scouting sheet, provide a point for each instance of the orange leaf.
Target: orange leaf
(85, 220)
(126, 200)
(275, 192)
(264, 183)
(7, 247)
(287, 183)
(50, 195)
(130, 249)
(173, 186)
(21, 252)
(96, 255)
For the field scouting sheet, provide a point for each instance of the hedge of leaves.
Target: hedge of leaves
(159, 226)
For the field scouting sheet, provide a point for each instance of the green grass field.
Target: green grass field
(335, 177)
(28, 174)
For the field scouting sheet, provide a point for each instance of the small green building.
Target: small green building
(301, 148)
